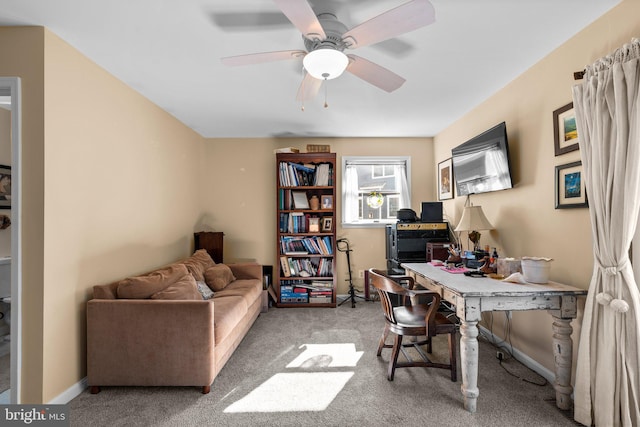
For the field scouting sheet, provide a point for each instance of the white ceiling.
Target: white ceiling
(170, 50)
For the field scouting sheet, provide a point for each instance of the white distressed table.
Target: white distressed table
(471, 296)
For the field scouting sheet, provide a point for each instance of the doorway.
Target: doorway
(10, 99)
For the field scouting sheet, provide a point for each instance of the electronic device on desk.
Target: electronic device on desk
(407, 242)
(431, 212)
(474, 259)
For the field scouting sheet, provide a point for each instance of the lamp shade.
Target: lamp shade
(473, 219)
(325, 64)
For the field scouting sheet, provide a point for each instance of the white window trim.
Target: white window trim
(368, 160)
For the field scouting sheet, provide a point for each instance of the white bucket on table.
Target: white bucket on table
(536, 269)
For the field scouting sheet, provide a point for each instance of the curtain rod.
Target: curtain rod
(578, 75)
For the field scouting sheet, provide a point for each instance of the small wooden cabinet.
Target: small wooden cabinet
(212, 241)
(306, 231)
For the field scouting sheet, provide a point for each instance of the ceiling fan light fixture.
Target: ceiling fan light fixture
(325, 64)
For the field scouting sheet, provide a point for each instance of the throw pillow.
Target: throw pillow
(204, 290)
(198, 263)
(218, 277)
(183, 289)
(141, 287)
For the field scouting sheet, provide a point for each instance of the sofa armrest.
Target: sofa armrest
(150, 342)
(247, 270)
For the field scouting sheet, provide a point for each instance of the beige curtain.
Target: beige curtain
(607, 107)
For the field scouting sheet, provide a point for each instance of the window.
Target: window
(374, 189)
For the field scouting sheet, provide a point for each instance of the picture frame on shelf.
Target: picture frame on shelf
(445, 180)
(570, 188)
(327, 224)
(5, 187)
(326, 202)
(300, 200)
(565, 132)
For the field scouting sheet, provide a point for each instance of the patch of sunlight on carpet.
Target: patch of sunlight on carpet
(293, 392)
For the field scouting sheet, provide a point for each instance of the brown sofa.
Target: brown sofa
(158, 330)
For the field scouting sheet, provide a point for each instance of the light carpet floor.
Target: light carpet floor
(281, 366)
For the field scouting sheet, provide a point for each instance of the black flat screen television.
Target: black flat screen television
(482, 164)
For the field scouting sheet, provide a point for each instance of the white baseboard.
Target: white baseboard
(71, 393)
(523, 358)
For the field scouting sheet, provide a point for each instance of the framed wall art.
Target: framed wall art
(5, 187)
(445, 180)
(570, 188)
(565, 136)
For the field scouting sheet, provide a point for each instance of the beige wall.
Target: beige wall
(240, 195)
(525, 218)
(118, 195)
(121, 196)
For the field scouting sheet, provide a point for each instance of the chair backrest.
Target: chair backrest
(386, 286)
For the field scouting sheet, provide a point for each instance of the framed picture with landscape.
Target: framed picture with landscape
(565, 136)
(570, 188)
(445, 180)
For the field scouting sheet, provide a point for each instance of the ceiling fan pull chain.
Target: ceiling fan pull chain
(325, 93)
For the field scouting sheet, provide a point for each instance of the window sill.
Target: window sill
(381, 224)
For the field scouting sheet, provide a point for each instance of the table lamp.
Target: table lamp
(473, 219)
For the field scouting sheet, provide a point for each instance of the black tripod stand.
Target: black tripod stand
(343, 246)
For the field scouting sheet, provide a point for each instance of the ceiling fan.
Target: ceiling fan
(325, 39)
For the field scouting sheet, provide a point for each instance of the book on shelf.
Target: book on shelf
(298, 298)
(315, 245)
(296, 222)
(284, 264)
(320, 300)
(293, 174)
(306, 267)
(323, 175)
(316, 286)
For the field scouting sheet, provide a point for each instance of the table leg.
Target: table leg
(469, 363)
(563, 356)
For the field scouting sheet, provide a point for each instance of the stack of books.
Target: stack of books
(290, 294)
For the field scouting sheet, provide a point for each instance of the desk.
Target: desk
(472, 296)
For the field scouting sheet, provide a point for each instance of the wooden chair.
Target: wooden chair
(415, 320)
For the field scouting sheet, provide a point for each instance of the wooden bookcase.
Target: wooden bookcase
(306, 236)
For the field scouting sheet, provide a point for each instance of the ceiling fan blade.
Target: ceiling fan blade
(309, 88)
(257, 58)
(402, 19)
(374, 73)
(303, 17)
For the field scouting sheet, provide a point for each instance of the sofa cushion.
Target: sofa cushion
(184, 288)
(218, 277)
(204, 290)
(249, 289)
(198, 263)
(228, 312)
(141, 287)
